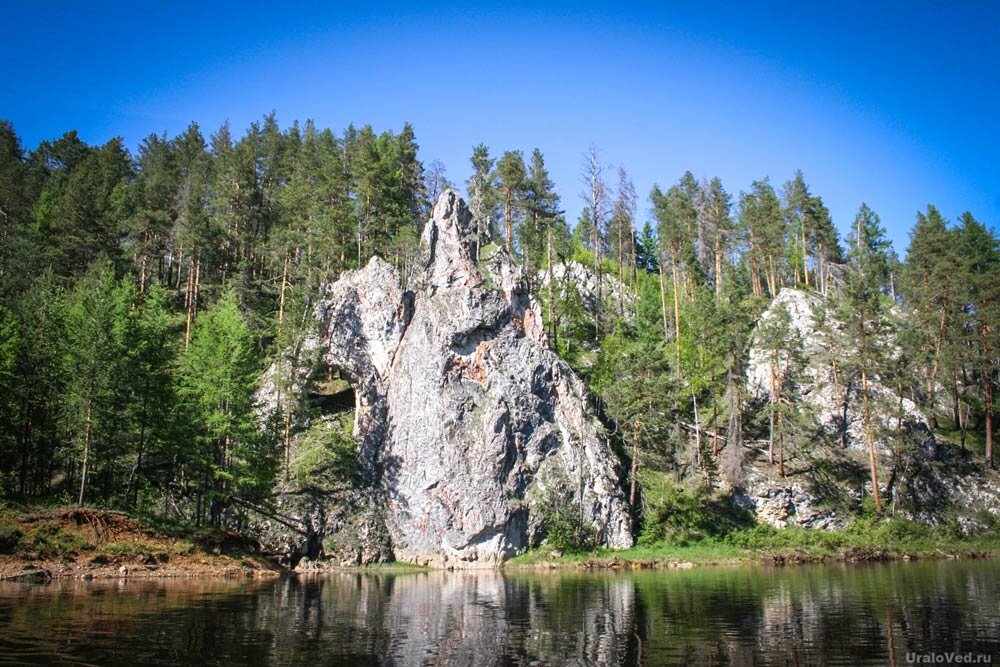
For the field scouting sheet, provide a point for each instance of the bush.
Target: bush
(10, 538)
(768, 538)
(564, 529)
(562, 520)
(50, 540)
(327, 447)
(679, 515)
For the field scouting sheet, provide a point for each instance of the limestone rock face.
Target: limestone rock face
(835, 405)
(919, 476)
(464, 416)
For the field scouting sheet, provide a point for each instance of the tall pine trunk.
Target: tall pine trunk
(988, 408)
(86, 450)
(805, 254)
(718, 268)
(866, 415)
(663, 304)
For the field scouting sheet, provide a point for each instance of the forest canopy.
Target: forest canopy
(142, 296)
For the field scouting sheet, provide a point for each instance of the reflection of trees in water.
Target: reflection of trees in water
(705, 616)
(571, 618)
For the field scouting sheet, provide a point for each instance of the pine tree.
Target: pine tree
(483, 197)
(511, 178)
(930, 284)
(641, 400)
(146, 378)
(594, 219)
(38, 388)
(717, 205)
(621, 234)
(646, 249)
(782, 344)
(864, 310)
(675, 215)
(436, 181)
(96, 321)
(14, 192)
(980, 250)
(764, 229)
(542, 215)
(798, 202)
(216, 381)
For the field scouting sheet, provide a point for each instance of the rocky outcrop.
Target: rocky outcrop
(834, 401)
(464, 417)
(920, 477)
(599, 297)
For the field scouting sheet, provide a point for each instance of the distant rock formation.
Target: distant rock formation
(921, 477)
(836, 403)
(598, 298)
(464, 417)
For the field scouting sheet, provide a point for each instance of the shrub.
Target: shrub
(10, 538)
(558, 507)
(680, 515)
(327, 447)
(50, 540)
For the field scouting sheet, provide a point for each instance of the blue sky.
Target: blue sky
(895, 104)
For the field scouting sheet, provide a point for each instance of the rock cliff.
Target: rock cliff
(464, 418)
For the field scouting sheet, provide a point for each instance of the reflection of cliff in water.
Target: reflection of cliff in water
(834, 614)
(473, 618)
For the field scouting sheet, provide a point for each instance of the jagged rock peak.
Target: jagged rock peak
(449, 245)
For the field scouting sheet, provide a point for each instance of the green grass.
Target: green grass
(48, 540)
(394, 566)
(975, 441)
(866, 537)
(705, 551)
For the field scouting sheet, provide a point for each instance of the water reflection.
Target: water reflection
(799, 616)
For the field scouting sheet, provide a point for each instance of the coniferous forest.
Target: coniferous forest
(143, 295)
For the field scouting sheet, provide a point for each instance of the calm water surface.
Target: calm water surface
(833, 614)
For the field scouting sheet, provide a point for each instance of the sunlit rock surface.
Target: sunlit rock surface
(919, 476)
(463, 414)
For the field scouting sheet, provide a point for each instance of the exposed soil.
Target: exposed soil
(91, 544)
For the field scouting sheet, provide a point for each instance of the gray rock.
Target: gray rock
(463, 415)
(833, 403)
(598, 297)
(920, 477)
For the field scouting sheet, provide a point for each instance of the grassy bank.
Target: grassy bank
(43, 543)
(865, 539)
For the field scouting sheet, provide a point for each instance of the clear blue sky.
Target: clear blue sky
(896, 104)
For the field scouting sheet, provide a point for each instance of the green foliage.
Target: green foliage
(326, 452)
(678, 515)
(640, 395)
(10, 538)
(868, 532)
(564, 530)
(216, 381)
(558, 507)
(49, 540)
(141, 296)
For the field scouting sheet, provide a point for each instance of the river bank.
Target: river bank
(866, 540)
(86, 543)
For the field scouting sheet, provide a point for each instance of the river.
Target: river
(894, 613)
